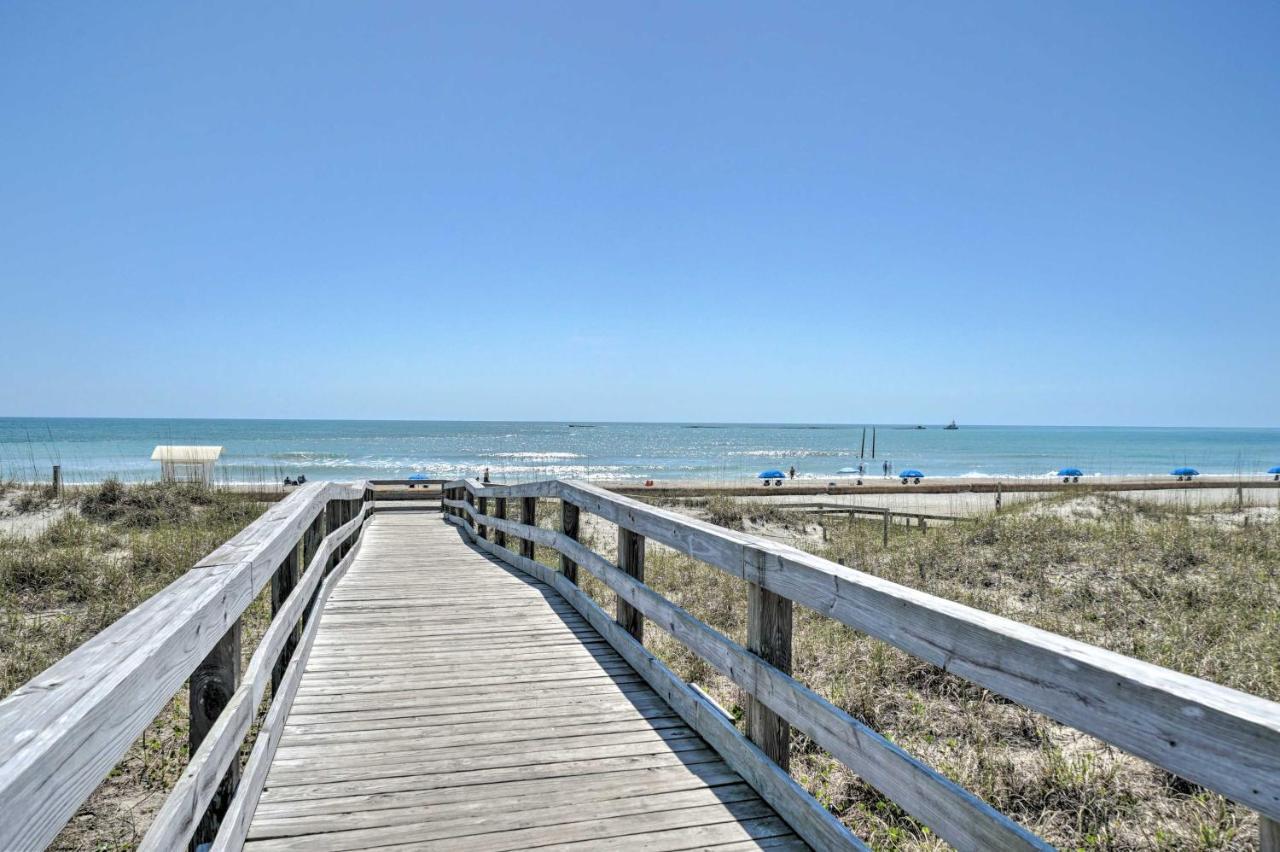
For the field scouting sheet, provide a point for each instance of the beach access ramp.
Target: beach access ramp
(438, 679)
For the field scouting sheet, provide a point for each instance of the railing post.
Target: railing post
(631, 561)
(1268, 835)
(529, 517)
(311, 540)
(211, 686)
(333, 524)
(769, 637)
(569, 527)
(471, 501)
(57, 480)
(344, 515)
(283, 582)
(500, 511)
(483, 506)
(353, 509)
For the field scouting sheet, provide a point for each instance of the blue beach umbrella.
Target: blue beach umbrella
(1071, 471)
(911, 473)
(1184, 471)
(1275, 469)
(418, 476)
(771, 474)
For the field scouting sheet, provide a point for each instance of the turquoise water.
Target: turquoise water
(92, 449)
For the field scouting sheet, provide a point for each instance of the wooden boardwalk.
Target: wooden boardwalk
(432, 685)
(452, 702)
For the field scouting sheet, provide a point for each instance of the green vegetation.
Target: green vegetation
(99, 556)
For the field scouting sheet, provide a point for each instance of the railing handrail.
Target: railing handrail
(66, 728)
(1216, 736)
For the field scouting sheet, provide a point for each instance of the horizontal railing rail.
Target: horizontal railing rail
(63, 731)
(1220, 738)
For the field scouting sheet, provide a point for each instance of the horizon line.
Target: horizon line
(909, 424)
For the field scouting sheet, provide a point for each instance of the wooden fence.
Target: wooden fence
(61, 733)
(1223, 739)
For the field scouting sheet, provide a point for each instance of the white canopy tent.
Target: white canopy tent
(186, 464)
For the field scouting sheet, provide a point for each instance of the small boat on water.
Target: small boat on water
(951, 427)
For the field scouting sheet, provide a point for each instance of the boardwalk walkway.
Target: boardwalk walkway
(452, 702)
(433, 686)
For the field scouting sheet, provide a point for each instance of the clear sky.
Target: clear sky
(1061, 213)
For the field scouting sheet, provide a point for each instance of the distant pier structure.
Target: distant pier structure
(186, 464)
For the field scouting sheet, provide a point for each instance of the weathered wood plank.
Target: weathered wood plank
(305, 796)
(402, 808)
(528, 516)
(631, 563)
(809, 819)
(481, 818)
(769, 638)
(500, 511)
(568, 528)
(283, 583)
(1268, 835)
(212, 684)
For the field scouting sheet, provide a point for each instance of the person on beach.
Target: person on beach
(793, 471)
(886, 468)
(486, 476)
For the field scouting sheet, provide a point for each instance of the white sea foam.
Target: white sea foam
(537, 456)
(791, 453)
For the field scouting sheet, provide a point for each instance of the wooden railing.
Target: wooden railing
(61, 733)
(1220, 738)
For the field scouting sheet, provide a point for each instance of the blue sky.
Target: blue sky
(998, 212)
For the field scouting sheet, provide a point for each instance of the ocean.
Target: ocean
(263, 451)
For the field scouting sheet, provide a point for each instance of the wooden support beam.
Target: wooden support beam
(769, 637)
(311, 540)
(1268, 835)
(483, 505)
(569, 526)
(631, 561)
(331, 522)
(212, 684)
(500, 511)
(529, 516)
(283, 582)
